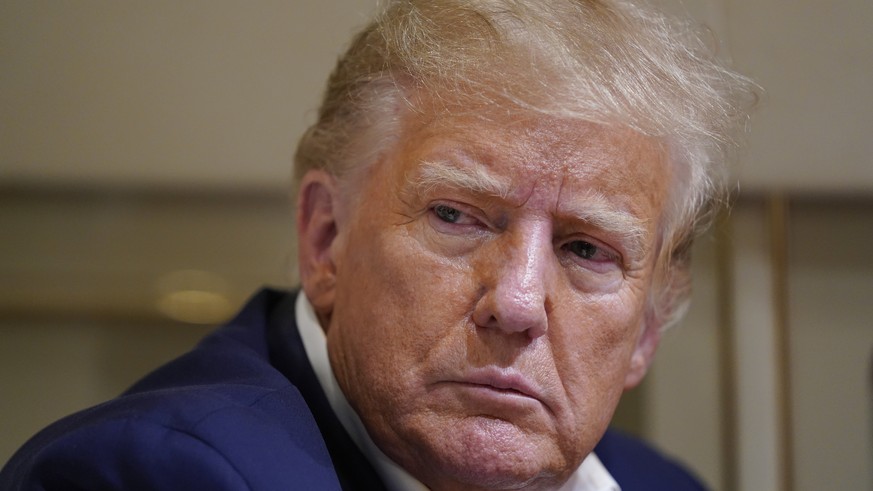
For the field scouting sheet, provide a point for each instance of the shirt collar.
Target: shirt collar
(590, 476)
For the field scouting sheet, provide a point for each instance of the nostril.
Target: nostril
(483, 314)
(490, 322)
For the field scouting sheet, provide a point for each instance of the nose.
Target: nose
(517, 283)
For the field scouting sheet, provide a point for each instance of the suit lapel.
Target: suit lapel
(288, 356)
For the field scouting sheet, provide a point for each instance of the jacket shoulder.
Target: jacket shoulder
(638, 467)
(204, 437)
(218, 417)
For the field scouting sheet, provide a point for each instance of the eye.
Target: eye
(591, 264)
(585, 250)
(447, 213)
(591, 252)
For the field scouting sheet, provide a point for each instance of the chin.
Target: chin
(489, 453)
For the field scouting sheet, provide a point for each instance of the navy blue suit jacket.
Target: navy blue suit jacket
(243, 410)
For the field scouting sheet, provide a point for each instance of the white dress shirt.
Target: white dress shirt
(590, 476)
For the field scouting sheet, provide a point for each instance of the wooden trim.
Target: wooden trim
(778, 210)
(728, 426)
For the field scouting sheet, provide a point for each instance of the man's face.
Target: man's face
(491, 279)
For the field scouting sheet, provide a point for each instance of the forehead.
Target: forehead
(530, 151)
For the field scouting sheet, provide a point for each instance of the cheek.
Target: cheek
(395, 302)
(594, 346)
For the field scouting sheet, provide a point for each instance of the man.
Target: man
(495, 209)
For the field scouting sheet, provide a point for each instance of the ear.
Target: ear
(644, 352)
(317, 208)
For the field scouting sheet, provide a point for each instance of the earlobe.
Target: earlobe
(643, 354)
(317, 230)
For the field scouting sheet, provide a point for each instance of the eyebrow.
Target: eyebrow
(592, 208)
(433, 174)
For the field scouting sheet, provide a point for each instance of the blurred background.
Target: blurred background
(145, 153)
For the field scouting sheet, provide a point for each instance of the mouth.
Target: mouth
(501, 383)
(496, 393)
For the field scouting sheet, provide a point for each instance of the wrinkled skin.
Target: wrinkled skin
(485, 339)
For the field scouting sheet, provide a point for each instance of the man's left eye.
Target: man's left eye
(447, 213)
(585, 250)
(588, 251)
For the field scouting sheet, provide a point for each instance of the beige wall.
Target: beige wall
(200, 93)
(214, 93)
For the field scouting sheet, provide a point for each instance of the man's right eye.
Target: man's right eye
(447, 213)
